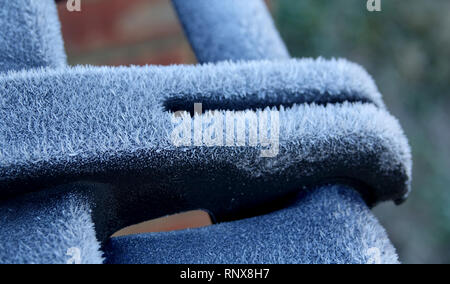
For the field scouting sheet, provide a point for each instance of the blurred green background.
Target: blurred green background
(406, 48)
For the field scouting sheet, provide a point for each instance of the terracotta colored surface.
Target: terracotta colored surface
(190, 219)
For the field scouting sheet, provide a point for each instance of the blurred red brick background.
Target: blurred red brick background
(124, 32)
